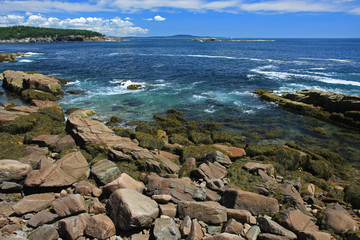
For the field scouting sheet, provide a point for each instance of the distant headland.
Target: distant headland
(229, 40)
(26, 34)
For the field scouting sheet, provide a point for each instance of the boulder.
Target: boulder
(36, 154)
(12, 170)
(43, 104)
(242, 216)
(130, 209)
(33, 203)
(68, 205)
(253, 202)
(100, 227)
(216, 156)
(41, 218)
(293, 196)
(124, 181)
(45, 140)
(178, 189)
(339, 220)
(119, 156)
(73, 227)
(225, 236)
(298, 222)
(8, 116)
(168, 210)
(234, 227)
(63, 172)
(210, 171)
(234, 152)
(195, 231)
(166, 229)
(105, 171)
(253, 233)
(96, 207)
(87, 188)
(11, 187)
(65, 142)
(45, 232)
(254, 167)
(185, 226)
(6, 208)
(269, 226)
(82, 113)
(208, 212)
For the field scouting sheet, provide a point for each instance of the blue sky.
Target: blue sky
(222, 18)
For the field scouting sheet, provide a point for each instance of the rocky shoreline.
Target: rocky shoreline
(167, 179)
(71, 38)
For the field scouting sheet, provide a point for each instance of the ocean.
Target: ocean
(209, 81)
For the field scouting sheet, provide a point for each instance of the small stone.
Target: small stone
(96, 207)
(253, 233)
(163, 198)
(168, 209)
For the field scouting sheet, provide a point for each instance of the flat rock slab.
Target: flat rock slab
(234, 152)
(8, 116)
(63, 172)
(269, 226)
(13, 170)
(43, 104)
(210, 171)
(33, 203)
(41, 218)
(45, 140)
(130, 209)
(208, 212)
(253, 202)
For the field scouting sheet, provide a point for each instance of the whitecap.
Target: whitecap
(26, 60)
(160, 80)
(318, 69)
(112, 54)
(76, 82)
(32, 53)
(210, 110)
(198, 97)
(329, 59)
(210, 56)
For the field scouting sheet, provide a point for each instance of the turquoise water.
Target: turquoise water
(206, 80)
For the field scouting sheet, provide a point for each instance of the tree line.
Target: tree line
(20, 32)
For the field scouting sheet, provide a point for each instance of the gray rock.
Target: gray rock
(216, 156)
(253, 233)
(12, 170)
(166, 229)
(11, 186)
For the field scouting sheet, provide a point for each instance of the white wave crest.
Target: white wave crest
(329, 59)
(210, 56)
(26, 60)
(76, 82)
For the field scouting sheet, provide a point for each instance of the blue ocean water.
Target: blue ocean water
(207, 80)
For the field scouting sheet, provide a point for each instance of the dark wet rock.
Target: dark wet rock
(250, 201)
(73, 227)
(105, 171)
(63, 172)
(209, 212)
(124, 181)
(216, 156)
(33, 203)
(130, 209)
(68, 205)
(100, 227)
(41, 218)
(269, 226)
(13, 170)
(166, 229)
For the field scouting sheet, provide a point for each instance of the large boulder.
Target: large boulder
(63, 172)
(124, 181)
(339, 220)
(105, 171)
(68, 205)
(209, 212)
(12, 170)
(130, 209)
(253, 202)
(166, 229)
(73, 227)
(33, 203)
(100, 227)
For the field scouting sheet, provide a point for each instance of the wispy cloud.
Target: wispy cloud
(111, 27)
(130, 6)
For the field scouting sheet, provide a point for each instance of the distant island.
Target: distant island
(228, 40)
(26, 34)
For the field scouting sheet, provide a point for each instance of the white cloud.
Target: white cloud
(159, 18)
(130, 6)
(111, 27)
(355, 11)
(128, 19)
(148, 19)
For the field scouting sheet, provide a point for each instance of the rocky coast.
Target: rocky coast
(70, 38)
(69, 176)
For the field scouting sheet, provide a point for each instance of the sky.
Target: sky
(217, 18)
